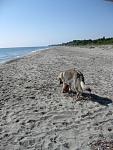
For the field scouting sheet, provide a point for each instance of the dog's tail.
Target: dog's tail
(84, 87)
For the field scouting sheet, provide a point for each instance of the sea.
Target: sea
(7, 54)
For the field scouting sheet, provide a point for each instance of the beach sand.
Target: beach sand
(36, 115)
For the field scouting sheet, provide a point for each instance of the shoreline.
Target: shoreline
(35, 114)
(27, 55)
(44, 49)
(22, 55)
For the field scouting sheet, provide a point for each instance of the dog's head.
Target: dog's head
(66, 88)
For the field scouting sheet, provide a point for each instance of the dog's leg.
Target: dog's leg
(77, 95)
(60, 81)
(64, 88)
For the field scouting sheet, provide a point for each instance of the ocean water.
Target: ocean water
(7, 54)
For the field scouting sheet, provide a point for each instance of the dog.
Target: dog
(73, 78)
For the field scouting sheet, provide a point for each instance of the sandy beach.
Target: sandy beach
(36, 115)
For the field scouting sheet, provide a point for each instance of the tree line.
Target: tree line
(100, 41)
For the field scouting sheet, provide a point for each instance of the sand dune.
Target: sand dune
(35, 115)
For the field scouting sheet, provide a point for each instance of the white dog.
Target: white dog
(73, 78)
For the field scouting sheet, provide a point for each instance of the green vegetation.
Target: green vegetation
(101, 41)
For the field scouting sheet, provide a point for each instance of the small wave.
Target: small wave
(33, 51)
(17, 56)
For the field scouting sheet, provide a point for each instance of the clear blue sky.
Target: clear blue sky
(43, 22)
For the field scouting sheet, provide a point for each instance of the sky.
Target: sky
(46, 22)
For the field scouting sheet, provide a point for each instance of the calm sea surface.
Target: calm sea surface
(7, 54)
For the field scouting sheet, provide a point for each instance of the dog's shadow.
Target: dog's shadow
(95, 98)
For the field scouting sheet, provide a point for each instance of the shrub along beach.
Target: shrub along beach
(96, 42)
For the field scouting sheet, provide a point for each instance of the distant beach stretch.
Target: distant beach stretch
(35, 114)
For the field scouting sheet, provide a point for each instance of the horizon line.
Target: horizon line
(56, 43)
